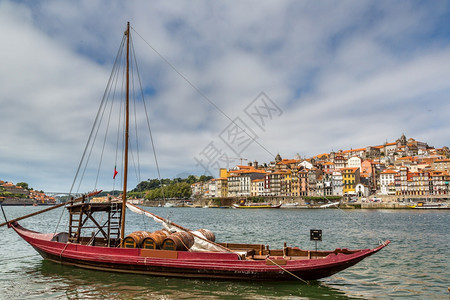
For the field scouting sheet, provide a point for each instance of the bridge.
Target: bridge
(59, 194)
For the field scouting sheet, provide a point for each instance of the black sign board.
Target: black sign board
(315, 234)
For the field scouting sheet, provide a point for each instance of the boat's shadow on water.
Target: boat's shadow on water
(76, 283)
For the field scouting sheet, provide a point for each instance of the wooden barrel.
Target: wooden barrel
(134, 239)
(155, 239)
(208, 234)
(179, 241)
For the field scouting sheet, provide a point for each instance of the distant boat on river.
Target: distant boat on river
(244, 204)
(430, 205)
(256, 205)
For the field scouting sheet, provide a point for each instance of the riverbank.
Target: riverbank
(289, 204)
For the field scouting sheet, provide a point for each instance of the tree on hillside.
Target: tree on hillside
(176, 190)
(147, 185)
(204, 178)
(191, 179)
(151, 184)
(23, 185)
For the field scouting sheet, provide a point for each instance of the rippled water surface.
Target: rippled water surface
(415, 265)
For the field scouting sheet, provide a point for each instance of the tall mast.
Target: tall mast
(127, 121)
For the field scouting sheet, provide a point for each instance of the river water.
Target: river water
(415, 265)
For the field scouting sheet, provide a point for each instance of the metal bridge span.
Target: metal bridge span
(56, 194)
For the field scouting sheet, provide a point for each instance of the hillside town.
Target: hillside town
(400, 170)
(12, 194)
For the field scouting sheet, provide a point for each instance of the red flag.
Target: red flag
(115, 172)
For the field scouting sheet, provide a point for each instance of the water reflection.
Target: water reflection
(86, 284)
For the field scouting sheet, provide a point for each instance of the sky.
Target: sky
(300, 77)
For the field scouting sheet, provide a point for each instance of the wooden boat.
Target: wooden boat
(99, 243)
(256, 205)
(429, 205)
(244, 204)
(244, 261)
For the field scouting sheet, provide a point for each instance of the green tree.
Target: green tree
(23, 185)
(191, 179)
(204, 178)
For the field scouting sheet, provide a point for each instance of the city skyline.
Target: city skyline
(333, 76)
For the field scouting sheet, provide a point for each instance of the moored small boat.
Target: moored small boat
(244, 204)
(430, 205)
(256, 205)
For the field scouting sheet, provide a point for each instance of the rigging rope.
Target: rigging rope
(105, 138)
(203, 95)
(148, 123)
(137, 168)
(290, 273)
(101, 108)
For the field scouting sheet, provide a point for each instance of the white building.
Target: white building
(387, 178)
(361, 190)
(233, 182)
(257, 187)
(336, 182)
(354, 162)
(244, 185)
(212, 191)
(306, 164)
(197, 189)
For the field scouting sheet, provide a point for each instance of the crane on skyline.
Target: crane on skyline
(240, 158)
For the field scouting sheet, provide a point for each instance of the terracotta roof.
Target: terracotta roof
(442, 160)
(234, 172)
(282, 172)
(355, 150)
(405, 158)
(389, 171)
(288, 161)
(244, 167)
(438, 173)
(352, 169)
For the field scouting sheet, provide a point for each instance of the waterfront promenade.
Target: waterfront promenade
(380, 202)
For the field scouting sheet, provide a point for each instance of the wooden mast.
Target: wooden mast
(127, 121)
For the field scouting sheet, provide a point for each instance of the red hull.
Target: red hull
(188, 264)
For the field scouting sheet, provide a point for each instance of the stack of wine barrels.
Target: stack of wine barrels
(179, 241)
(164, 239)
(134, 239)
(155, 239)
(182, 241)
(208, 234)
